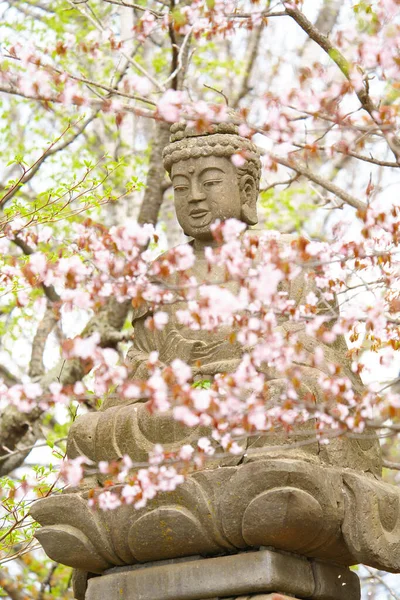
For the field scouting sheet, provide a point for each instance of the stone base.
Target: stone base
(263, 597)
(269, 573)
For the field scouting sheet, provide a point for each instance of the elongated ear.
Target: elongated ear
(248, 196)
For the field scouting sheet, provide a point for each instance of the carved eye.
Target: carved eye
(181, 188)
(211, 183)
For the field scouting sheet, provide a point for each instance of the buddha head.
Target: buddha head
(207, 184)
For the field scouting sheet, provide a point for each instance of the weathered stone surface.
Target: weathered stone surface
(208, 578)
(241, 575)
(371, 526)
(72, 533)
(333, 582)
(79, 583)
(287, 504)
(291, 505)
(263, 597)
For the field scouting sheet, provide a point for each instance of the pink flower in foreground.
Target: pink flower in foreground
(72, 471)
(160, 320)
(156, 455)
(205, 445)
(232, 228)
(186, 452)
(108, 501)
(184, 257)
(238, 160)
(244, 130)
(181, 370)
(186, 416)
(85, 347)
(170, 105)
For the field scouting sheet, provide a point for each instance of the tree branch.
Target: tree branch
(51, 150)
(49, 290)
(23, 428)
(179, 58)
(326, 20)
(96, 103)
(8, 378)
(11, 588)
(251, 60)
(154, 193)
(391, 465)
(133, 62)
(382, 582)
(15, 428)
(301, 169)
(45, 327)
(369, 159)
(155, 184)
(158, 15)
(27, 449)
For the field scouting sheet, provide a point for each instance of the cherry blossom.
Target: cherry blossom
(170, 105)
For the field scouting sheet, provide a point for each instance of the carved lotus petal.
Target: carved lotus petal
(284, 517)
(68, 545)
(371, 525)
(68, 516)
(288, 504)
(173, 530)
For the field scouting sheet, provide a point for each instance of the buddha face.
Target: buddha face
(207, 189)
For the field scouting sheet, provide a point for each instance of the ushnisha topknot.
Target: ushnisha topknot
(221, 139)
(179, 131)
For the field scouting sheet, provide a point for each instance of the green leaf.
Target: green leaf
(204, 384)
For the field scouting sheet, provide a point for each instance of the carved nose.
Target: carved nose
(196, 192)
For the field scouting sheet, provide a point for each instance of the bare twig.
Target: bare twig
(287, 182)
(49, 290)
(46, 583)
(345, 67)
(369, 159)
(391, 465)
(51, 150)
(111, 90)
(263, 14)
(301, 169)
(11, 588)
(17, 427)
(180, 58)
(225, 97)
(26, 449)
(158, 15)
(133, 62)
(251, 60)
(383, 583)
(8, 378)
(326, 19)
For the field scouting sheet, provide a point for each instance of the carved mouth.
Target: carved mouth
(198, 213)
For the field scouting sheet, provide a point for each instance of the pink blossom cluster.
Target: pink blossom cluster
(377, 48)
(175, 105)
(268, 334)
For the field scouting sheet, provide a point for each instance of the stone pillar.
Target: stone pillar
(246, 575)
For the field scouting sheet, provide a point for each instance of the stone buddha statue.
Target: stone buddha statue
(326, 504)
(207, 187)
